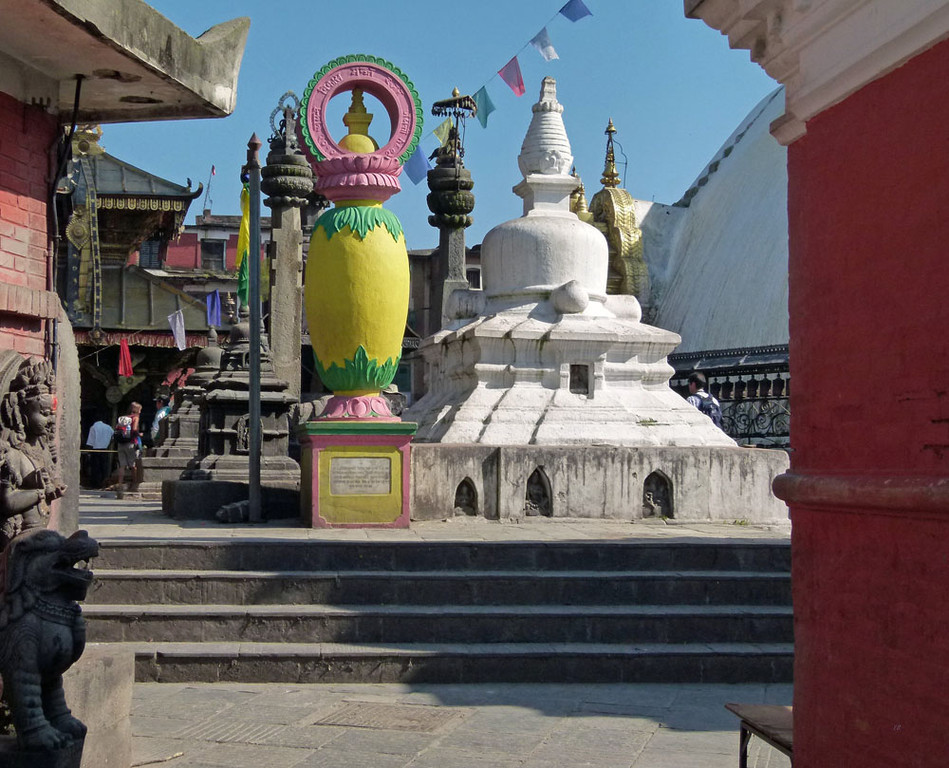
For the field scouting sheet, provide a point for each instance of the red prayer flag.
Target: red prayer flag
(125, 359)
(511, 74)
(213, 172)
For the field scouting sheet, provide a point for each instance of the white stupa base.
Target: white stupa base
(506, 380)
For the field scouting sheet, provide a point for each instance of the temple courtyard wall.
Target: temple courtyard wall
(598, 482)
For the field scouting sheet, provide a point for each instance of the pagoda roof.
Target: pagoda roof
(114, 177)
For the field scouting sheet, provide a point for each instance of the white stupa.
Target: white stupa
(542, 355)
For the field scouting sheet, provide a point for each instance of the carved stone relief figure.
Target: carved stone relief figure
(29, 480)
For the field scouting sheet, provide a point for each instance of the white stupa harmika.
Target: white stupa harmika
(542, 355)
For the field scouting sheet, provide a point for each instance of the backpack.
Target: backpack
(711, 408)
(123, 430)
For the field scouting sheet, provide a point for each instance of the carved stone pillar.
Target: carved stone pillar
(287, 180)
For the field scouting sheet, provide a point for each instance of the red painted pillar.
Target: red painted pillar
(869, 480)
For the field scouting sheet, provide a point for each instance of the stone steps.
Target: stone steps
(296, 555)
(438, 623)
(341, 611)
(436, 587)
(462, 663)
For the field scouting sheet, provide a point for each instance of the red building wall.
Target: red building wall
(26, 135)
(185, 252)
(869, 310)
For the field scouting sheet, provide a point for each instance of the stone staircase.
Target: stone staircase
(452, 612)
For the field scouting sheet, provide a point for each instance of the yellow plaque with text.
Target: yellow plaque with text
(360, 484)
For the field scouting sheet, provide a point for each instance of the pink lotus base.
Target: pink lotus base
(374, 407)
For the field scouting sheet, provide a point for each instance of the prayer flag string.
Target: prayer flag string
(417, 166)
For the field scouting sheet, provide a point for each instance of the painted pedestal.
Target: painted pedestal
(356, 474)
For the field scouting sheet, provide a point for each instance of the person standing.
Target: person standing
(100, 462)
(128, 443)
(706, 403)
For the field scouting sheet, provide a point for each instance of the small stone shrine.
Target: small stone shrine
(543, 356)
(547, 396)
(218, 476)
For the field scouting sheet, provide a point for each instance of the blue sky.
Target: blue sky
(671, 85)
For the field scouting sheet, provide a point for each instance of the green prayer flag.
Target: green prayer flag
(484, 104)
(442, 131)
(243, 282)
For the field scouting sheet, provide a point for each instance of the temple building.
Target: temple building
(113, 217)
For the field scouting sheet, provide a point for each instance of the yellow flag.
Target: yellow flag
(441, 132)
(243, 234)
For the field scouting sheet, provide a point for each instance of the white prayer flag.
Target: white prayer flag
(176, 320)
(541, 41)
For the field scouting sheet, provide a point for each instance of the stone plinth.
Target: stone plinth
(600, 482)
(355, 473)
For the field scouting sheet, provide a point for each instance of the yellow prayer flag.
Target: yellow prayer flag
(441, 132)
(243, 234)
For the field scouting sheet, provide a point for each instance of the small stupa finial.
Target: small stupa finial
(357, 119)
(578, 199)
(610, 176)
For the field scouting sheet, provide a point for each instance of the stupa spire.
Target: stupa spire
(610, 176)
(357, 119)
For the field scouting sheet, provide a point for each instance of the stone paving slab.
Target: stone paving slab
(490, 726)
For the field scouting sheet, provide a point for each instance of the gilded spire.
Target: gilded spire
(578, 199)
(610, 176)
(357, 119)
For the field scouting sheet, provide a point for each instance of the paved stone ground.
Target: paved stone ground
(107, 518)
(434, 726)
(445, 726)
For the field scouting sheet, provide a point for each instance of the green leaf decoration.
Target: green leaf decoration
(356, 57)
(358, 373)
(360, 219)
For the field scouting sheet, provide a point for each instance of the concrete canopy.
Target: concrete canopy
(135, 64)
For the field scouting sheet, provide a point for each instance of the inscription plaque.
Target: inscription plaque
(360, 476)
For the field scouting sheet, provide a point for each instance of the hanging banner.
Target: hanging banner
(484, 104)
(575, 10)
(417, 166)
(243, 246)
(176, 321)
(511, 74)
(541, 41)
(442, 131)
(213, 301)
(125, 359)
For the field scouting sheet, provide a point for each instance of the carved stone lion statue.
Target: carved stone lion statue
(42, 632)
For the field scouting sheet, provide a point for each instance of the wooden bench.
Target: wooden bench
(771, 723)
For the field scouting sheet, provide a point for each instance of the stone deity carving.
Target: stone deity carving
(29, 481)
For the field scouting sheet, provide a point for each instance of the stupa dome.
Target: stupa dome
(524, 260)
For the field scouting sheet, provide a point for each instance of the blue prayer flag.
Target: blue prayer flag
(417, 166)
(484, 104)
(575, 10)
(214, 309)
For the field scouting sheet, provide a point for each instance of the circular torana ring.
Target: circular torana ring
(374, 76)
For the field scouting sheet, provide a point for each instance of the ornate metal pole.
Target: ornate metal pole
(450, 202)
(253, 275)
